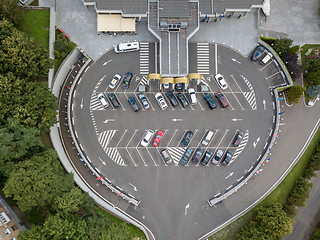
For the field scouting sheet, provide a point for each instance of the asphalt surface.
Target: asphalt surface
(111, 138)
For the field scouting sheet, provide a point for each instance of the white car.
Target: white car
(221, 81)
(147, 138)
(114, 81)
(103, 100)
(162, 103)
(192, 95)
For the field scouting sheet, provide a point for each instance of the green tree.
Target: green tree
(56, 227)
(282, 46)
(118, 231)
(313, 78)
(31, 103)
(294, 93)
(21, 55)
(271, 222)
(69, 202)
(36, 182)
(10, 10)
(15, 141)
(300, 192)
(98, 225)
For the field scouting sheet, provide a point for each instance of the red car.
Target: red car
(158, 138)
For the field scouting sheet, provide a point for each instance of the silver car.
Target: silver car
(143, 101)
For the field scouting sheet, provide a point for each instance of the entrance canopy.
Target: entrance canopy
(115, 23)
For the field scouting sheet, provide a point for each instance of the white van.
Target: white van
(147, 137)
(192, 95)
(266, 58)
(127, 47)
(207, 138)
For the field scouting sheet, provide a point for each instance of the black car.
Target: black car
(186, 139)
(210, 101)
(227, 158)
(186, 156)
(197, 156)
(238, 139)
(114, 100)
(257, 53)
(172, 98)
(182, 100)
(206, 157)
(133, 104)
(126, 80)
(179, 87)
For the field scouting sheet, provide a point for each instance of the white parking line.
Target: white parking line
(168, 100)
(236, 99)
(125, 131)
(272, 75)
(188, 101)
(155, 164)
(123, 108)
(135, 131)
(236, 83)
(175, 131)
(216, 57)
(134, 163)
(141, 157)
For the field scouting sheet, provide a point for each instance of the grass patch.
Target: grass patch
(135, 232)
(279, 195)
(45, 139)
(35, 23)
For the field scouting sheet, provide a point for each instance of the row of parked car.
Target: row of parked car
(162, 102)
(201, 154)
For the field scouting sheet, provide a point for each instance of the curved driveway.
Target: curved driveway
(165, 191)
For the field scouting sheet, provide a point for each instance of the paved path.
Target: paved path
(298, 18)
(307, 216)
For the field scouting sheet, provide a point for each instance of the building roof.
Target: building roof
(140, 7)
(174, 8)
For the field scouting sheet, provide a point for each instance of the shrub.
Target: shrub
(294, 93)
(300, 192)
(294, 49)
(313, 91)
(291, 210)
(313, 78)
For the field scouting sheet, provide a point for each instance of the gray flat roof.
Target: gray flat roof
(172, 7)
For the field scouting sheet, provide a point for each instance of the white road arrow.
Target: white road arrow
(177, 119)
(104, 163)
(264, 104)
(256, 142)
(236, 119)
(134, 187)
(105, 63)
(235, 60)
(109, 120)
(81, 105)
(229, 175)
(186, 209)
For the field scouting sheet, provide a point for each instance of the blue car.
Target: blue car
(227, 158)
(257, 53)
(133, 104)
(186, 140)
(197, 156)
(210, 101)
(186, 156)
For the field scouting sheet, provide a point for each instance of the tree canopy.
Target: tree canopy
(21, 55)
(38, 181)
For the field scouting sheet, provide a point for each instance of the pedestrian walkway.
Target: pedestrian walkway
(144, 58)
(203, 58)
(176, 153)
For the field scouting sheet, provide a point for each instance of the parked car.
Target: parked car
(143, 101)
(221, 81)
(179, 87)
(166, 85)
(126, 80)
(210, 101)
(162, 103)
(133, 104)
(115, 80)
(147, 138)
(114, 100)
(257, 53)
(227, 158)
(172, 98)
(206, 157)
(221, 99)
(217, 156)
(182, 100)
(158, 138)
(186, 139)
(186, 156)
(197, 156)
(103, 100)
(192, 96)
(165, 155)
(238, 139)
